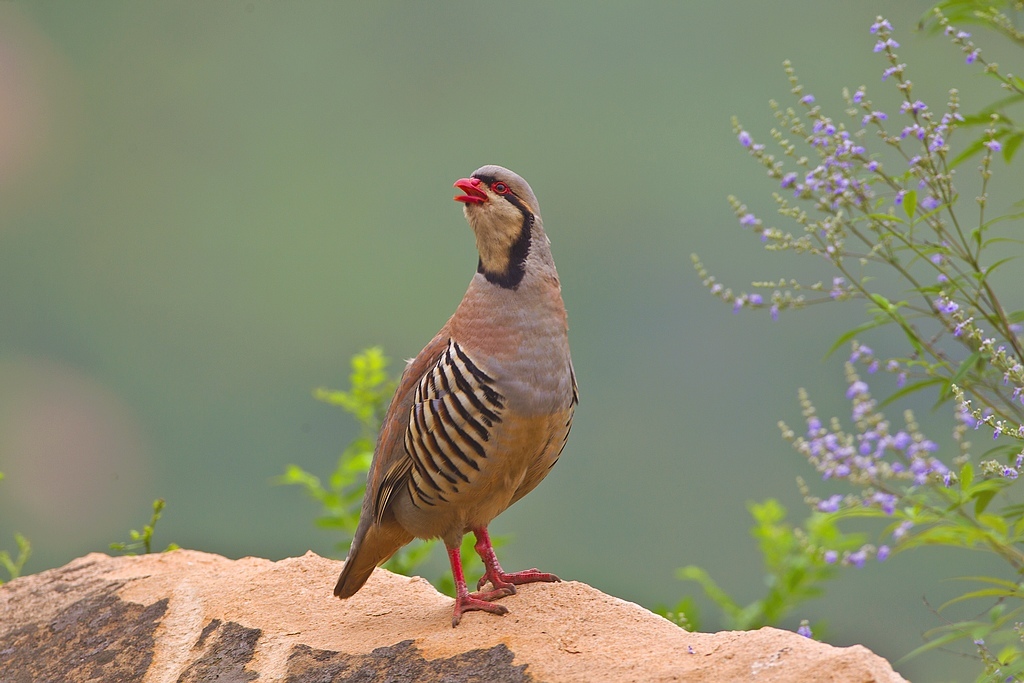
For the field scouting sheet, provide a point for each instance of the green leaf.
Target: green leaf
(981, 501)
(994, 522)
(965, 367)
(879, 217)
(910, 203)
(982, 593)
(990, 269)
(966, 476)
(711, 589)
(1011, 144)
(968, 152)
(910, 389)
(850, 334)
(944, 639)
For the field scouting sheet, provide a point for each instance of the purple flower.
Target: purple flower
(873, 166)
(858, 96)
(748, 219)
(873, 367)
(901, 379)
(804, 630)
(858, 388)
(902, 530)
(890, 71)
(1010, 473)
(917, 106)
(858, 558)
(831, 557)
(880, 24)
(937, 259)
(789, 179)
(831, 504)
(807, 99)
(916, 129)
(861, 350)
(899, 197)
(993, 145)
(775, 312)
(883, 553)
(973, 55)
(901, 440)
(744, 138)
(874, 116)
(930, 203)
(887, 43)
(886, 501)
(755, 300)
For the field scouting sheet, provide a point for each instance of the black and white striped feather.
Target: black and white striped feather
(454, 411)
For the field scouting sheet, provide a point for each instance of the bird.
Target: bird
(483, 412)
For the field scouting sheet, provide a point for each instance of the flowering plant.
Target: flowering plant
(873, 194)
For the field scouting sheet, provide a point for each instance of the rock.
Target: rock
(189, 616)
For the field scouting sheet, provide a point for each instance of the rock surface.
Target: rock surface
(189, 616)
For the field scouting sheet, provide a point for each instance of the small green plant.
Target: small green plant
(143, 540)
(797, 565)
(340, 499)
(14, 565)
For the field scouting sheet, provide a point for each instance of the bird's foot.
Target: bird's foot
(508, 581)
(473, 601)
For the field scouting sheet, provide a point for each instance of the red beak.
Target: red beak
(473, 193)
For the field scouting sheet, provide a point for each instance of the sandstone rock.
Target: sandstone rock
(189, 616)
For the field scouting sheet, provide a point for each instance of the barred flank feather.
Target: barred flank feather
(453, 412)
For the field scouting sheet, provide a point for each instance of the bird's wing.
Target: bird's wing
(453, 410)
(390, 462)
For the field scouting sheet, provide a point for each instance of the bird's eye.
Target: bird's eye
(500, 188)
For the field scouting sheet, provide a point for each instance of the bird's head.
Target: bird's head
(502, 210)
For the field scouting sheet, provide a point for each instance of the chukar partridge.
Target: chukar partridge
(482, 413)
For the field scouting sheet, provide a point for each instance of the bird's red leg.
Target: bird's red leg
(493, 572)
(466, 601)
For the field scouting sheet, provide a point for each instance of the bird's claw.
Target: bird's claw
(502, 580)
(469, 603)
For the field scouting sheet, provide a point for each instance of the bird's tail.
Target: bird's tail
(370, 549)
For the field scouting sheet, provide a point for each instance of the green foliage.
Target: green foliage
(795, 568)
(14, 565)
(340, 499)
(1003, 17)
(961, 342)
(143, 540)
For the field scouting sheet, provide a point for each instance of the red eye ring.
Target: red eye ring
(500, 187)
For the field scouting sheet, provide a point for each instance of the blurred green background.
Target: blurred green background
(207, 208)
